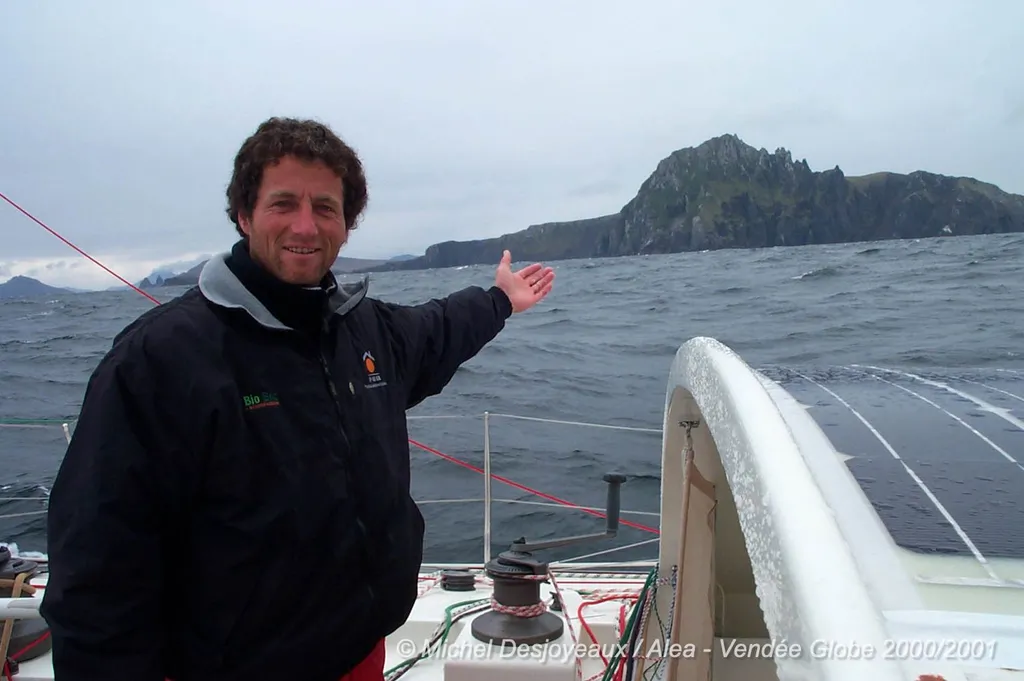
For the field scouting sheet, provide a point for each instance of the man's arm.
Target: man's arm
(435, 338)
(110, 509)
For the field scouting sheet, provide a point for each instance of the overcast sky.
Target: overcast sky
(119, 121)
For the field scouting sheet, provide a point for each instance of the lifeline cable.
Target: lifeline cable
(517, 485)
(424, 447)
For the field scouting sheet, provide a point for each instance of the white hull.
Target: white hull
(766, 538)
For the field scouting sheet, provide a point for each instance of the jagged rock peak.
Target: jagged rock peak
(729, 150)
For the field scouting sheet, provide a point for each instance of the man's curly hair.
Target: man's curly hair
(307, 140)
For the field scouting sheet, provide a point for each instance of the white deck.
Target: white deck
(766, 538)
(745, 658)
(463, 657)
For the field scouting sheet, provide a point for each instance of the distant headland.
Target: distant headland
(727, 194)
(27, 287)
(723, 193)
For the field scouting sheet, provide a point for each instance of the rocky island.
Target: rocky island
(725, 193)
(27, 287)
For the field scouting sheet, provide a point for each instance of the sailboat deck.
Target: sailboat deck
(938, 460)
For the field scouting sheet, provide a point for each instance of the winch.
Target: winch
(21, 639)
(518, 616)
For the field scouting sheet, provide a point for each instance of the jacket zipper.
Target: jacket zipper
(336, 398)
(331, 387)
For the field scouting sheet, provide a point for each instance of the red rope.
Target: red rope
(519, 486)
(422, 446)
(17, 656)
(590, 632)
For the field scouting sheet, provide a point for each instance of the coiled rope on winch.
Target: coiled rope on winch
(533, 610)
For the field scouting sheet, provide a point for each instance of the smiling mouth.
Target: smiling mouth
(301, 251)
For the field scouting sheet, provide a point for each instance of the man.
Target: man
(234, 504)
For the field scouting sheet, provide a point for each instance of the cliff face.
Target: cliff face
(727, 194)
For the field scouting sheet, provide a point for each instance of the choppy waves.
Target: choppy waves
(597, 351)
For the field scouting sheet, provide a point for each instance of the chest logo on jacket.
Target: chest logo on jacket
(260, 400)
(373, 378)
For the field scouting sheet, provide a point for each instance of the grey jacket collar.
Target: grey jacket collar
(220, 286)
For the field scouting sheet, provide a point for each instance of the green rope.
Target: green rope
(468, 606)
(449, 621)
(627, 632)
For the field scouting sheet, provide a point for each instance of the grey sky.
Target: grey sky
(118, 125)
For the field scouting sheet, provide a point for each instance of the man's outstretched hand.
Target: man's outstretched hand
(524, 288)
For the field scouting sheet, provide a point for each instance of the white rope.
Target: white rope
(622, 570)
(466, 500)
(578, 423)
(578, 508)
(586, 424)
(532, 503)
(998, 583)
(443, 416)
(20, 515)
(607, 551)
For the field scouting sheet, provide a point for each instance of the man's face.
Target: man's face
(297, 226)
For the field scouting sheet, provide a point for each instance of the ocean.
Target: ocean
(598, 350)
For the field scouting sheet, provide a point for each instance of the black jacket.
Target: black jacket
(234, 503)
